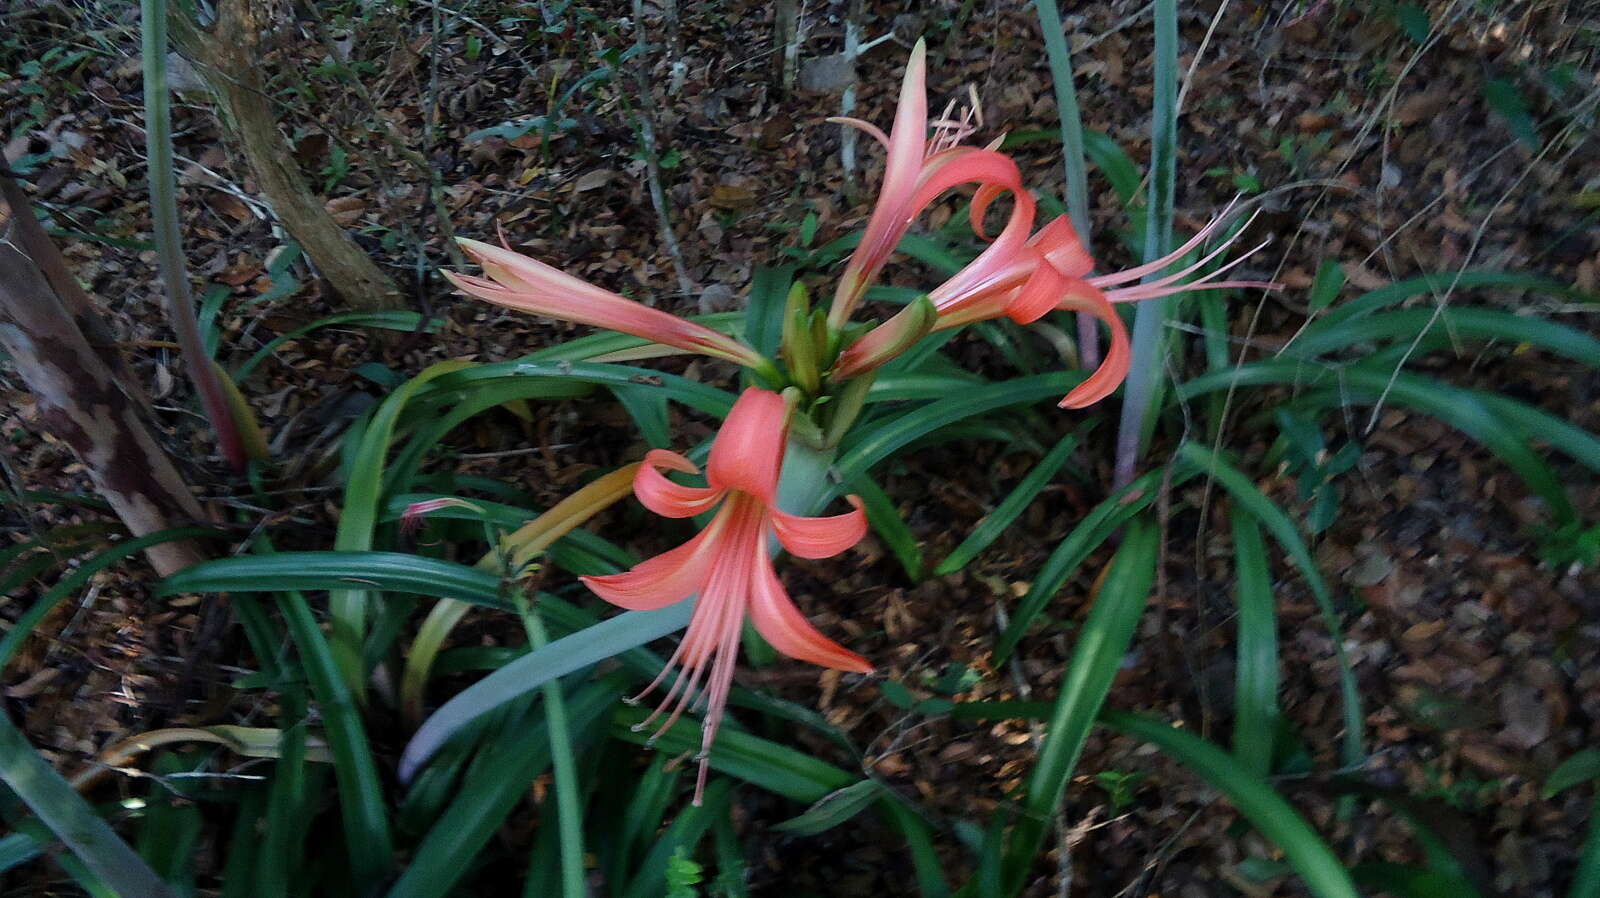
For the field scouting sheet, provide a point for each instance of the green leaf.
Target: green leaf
(763, 317)
(1095, 528)
(834, 809)
(70, 584)
(358, 519)
(1414, 21)
(1448, 326)
(394, 320)
(1437, 283)
(1326, 286)
(1574, 771)
(1504, 97)
(562, 656)
(493, 785)
(1252, 501)
(1459, 408)
(1113, 162)
(889, 525)
(1255, 714)
(1310, 856)
(1096, 657)
(71, 818)
(1020, 497)
(890, 436)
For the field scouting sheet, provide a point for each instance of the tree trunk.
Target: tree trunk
(228, 58)
(79, 397)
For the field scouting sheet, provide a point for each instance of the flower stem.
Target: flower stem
(1149, 320)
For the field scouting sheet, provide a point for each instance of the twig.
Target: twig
(652, 162)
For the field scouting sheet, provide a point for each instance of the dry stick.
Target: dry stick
(233, 71)
(847, 100)
(1443, 301)
(1255, 317)
(397, 141)
(786, 36)
(652, 162)
(79, 398)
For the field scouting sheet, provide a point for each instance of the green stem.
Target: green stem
(169, 242)
(569, 809)
(1149, 320)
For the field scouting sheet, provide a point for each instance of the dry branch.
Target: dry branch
(228, 57)
(80, 399)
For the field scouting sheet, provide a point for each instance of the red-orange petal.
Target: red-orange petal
(747, 454)
(670, 577)
(820, 537)
(1084, 297)
(668, 499)
(780, 623)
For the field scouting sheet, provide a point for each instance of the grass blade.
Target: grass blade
(1028, 489)
(1310, 856)
(1096, 657)
(1255, 715)
(1255, 503)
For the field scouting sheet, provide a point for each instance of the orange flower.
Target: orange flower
(728, 563)
(1018, 276)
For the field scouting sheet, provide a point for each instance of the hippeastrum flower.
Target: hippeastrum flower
(1024, 279)
(729, 565)
(528, 285)
(916, 171)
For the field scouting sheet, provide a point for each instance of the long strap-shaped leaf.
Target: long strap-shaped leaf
(348, 607)
(72, 819)
(563, 656)
(1253, 501)
(1305, 851)
(1096, 657)
(1457, 407)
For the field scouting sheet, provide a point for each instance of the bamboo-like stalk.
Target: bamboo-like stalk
(1150, 319)
(169, 241)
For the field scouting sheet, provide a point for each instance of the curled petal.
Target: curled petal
(821, 537)
(1058, 241)
(780, 623)
(672, 576)
(748, 452)
(668, 499)
(1084, 297)
(1039, 295)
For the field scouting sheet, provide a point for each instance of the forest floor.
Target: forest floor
(1387, 150)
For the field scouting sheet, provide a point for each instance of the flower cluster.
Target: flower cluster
(1023, 274)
